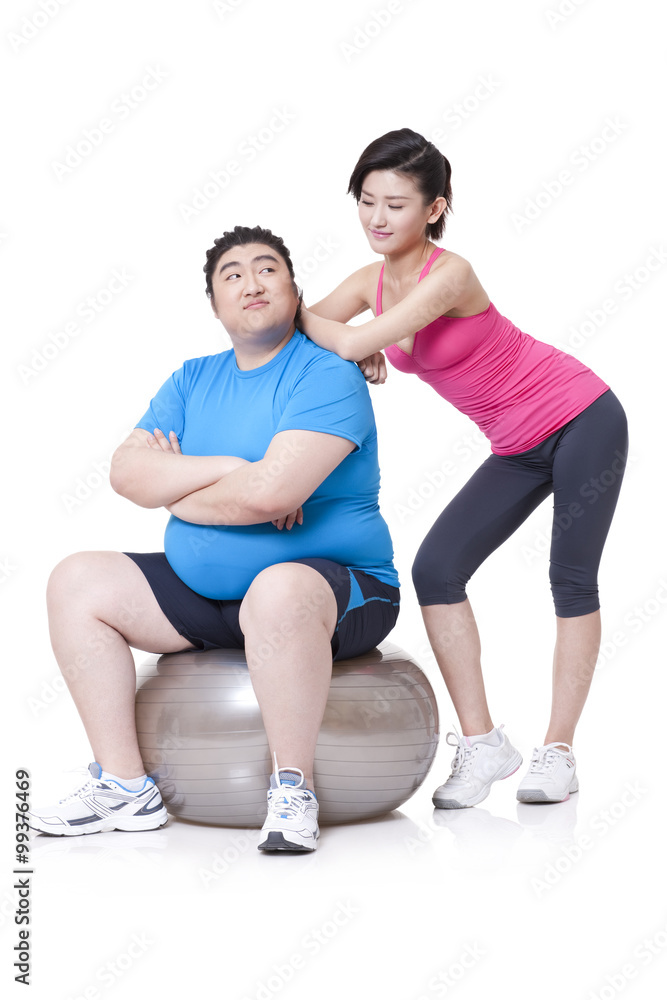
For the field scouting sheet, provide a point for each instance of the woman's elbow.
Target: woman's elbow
(348, 349)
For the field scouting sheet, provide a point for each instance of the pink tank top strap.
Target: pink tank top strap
(427, 267)
(378, 297)
(434, 256)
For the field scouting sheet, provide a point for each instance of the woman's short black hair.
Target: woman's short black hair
(240, 236)
(409, 153)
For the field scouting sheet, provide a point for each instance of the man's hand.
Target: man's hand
(144, 469)
(289, 520)
(271, 489)
(374, 368)
(159, 441)
(170, 444)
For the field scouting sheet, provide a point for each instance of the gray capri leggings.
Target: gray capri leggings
(582, 464)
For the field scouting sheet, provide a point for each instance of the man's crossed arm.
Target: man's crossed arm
(222, 489)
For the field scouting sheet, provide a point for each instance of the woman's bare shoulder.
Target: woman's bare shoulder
(450, 259)
(454, 271)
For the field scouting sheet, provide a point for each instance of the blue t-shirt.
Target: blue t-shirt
(217, 409)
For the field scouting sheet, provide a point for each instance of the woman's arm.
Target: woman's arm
(439, 292)
(147, 470)
(348, 299)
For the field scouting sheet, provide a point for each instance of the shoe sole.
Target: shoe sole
(276, 842)
(539, 795)
(130, 824)
(511, 768)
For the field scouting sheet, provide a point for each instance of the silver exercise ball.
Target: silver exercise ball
(201, 736)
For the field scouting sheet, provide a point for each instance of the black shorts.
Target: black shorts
(367, 608)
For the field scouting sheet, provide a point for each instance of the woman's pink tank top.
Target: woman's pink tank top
(518, 390)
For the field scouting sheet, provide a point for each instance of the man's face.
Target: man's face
(253, 292)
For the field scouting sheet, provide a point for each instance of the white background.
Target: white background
(514, 94)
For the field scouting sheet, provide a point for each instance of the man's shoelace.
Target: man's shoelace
(290, 804)
(293, 800)
(87, 786)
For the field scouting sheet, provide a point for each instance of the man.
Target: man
(266, 458)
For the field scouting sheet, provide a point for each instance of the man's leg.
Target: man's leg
(100, 604)
(288, 617)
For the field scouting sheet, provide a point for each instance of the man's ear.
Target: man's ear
(297, 315)
(215, 312)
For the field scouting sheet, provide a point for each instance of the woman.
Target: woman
(554, 427)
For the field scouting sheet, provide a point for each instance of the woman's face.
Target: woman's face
(392, 211)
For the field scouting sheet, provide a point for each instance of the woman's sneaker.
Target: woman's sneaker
(101, 805)
(552, 775)
(291, 823)
(474, 769)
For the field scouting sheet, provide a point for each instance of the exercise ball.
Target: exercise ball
(202, 739)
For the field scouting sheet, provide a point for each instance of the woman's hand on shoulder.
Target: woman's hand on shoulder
(443, 289)
(374, 368)
(448, 286)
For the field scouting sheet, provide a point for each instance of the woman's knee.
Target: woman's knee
(436, 580)
(574, 594)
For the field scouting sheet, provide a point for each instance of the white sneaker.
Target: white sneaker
(552, 775)
(291, 823)
(101, 805)
(474, 769)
